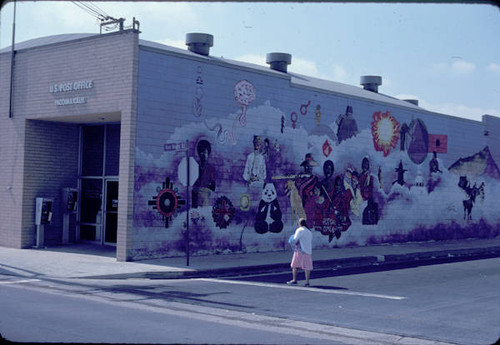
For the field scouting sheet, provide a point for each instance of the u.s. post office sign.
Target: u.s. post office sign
(67, 87)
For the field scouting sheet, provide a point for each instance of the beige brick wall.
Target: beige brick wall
(39, 157)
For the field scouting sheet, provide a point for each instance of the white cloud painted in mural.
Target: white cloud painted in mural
(411, 203)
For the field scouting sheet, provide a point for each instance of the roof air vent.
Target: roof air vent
(279, 61)
(371, 82)
(199, 43)
(412, 101)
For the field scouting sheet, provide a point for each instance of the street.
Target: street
(453, 303)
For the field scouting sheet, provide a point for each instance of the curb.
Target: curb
(341, 265)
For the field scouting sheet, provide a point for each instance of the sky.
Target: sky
(445, 55)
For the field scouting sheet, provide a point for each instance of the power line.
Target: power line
(92, 9)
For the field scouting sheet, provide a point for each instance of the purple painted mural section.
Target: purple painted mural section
(261, 167)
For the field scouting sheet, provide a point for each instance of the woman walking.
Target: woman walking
(302, 255)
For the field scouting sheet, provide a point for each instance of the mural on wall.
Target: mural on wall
(167, 201)
(418, 145)
(269, 216)
(204, 186)
(385, 131)
(223, 212)
(255, 165)
(346, 125)
(381, 182)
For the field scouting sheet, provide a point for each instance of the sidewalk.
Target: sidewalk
(85, 261)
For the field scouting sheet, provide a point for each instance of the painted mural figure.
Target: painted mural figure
(347, 126)
(401, 174)
(327, 183)
(403, 136)
(269, 215)
(205, 184)
(324, 216)
(434, 178)
(307, 181)
(341, 205)
(471, 193)
(351, 186)
(370, 213)
(255, 167)
(315, 207)
(366, 180)
(434, 164)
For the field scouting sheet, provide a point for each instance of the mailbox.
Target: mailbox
(69, 200)
(43, 212)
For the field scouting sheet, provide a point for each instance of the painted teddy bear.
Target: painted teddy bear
(268, 216)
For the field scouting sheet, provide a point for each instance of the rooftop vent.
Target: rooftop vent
(199, 43)
(412, 101)
(279, 61)
(371, 82)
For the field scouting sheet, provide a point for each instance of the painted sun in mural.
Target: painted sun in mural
(385, 131)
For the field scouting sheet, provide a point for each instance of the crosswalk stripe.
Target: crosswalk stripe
(19, 281)
(310, 289)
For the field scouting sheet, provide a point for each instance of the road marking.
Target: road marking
(19, 281)
(311, 289)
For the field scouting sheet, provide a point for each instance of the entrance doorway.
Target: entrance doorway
(111, 212)
(100, 152)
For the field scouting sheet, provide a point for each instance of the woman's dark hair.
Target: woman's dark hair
(302, 222)
(202, 145)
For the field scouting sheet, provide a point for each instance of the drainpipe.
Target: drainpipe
(13, 53)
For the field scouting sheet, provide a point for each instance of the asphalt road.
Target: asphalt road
(455, 303)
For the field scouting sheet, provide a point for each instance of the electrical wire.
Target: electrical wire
(93, 10)
(99, 14)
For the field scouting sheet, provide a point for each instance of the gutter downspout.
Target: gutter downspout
(13, 53)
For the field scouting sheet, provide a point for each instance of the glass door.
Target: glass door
(91, 210)
(111, 212)
(99, 163)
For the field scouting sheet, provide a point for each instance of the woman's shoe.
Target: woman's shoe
(291, 282)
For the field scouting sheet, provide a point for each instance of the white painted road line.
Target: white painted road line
(310, 289)
(19, 281)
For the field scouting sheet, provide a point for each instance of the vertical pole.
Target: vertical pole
(188, 203)
(13, 53)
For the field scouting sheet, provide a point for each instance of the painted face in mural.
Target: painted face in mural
(269, 192)
(203, 149)
(257, 143)
(328, 169)
(308, 164)
(365, 165)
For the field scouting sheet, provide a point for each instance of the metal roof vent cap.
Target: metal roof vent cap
(412, 101)
(371, 82)
(279, 61)
(199, 43)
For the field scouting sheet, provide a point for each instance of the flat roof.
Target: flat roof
(296, 79)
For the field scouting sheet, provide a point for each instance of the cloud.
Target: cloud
(174, 43)
(298, 65)
(252, 58)
(404, 96)
(306, 67)
(493, 67)
(461, 66)
(460, 110)
(457, 67)
(339, 74)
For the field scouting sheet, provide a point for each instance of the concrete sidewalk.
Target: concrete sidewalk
(86, 261)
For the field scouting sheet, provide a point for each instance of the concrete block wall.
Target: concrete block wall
(50, 165)
(110, 62)
(202, 99)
